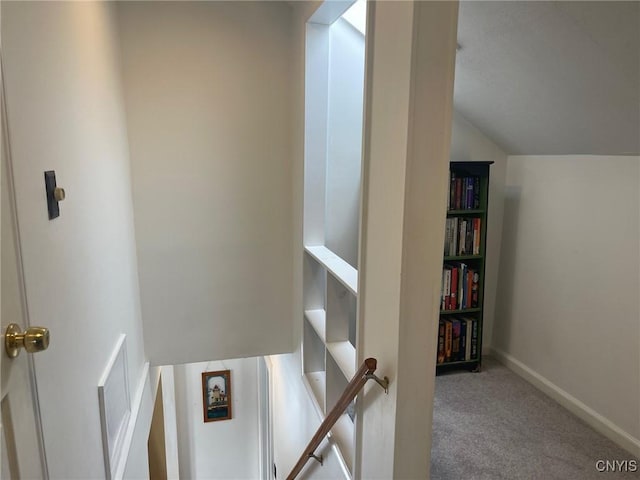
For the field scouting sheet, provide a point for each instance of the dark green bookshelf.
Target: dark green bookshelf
(474, 262)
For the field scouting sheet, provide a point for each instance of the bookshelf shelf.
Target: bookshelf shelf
(460, 312)
(474, 211)
(451, 258)
(463, 271)
(459, 364)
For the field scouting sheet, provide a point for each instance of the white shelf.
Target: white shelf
(318, 320)
(342, 435)
(316, 384)
(344, 355)
(341, 270)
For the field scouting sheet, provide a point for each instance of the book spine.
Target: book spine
(463, 340)
(442, 284)
(452, 234)
(467, 354)
(476, 236)
(441, 354)
(455, 235)
(454, 289)
(455, 339)
(476, 192)
(463, 235)
(462, 295)
(474, 290)
(452, 191)
(447, 225)
(469, 280)
(474, 340)
(458, 193)
(463, 200)
(447, 289)
(469, 237)
(447, 340)
(469, 193)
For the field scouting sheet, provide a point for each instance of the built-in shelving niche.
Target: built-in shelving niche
(329, 340)
(334, 86)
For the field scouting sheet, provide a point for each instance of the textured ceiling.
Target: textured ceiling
(551, 77)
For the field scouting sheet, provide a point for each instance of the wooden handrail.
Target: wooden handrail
(364, 373)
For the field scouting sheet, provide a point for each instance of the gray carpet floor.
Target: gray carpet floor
(494, 425)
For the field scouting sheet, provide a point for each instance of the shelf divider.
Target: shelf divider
(317, 319)
(340, 269)
(344, 355)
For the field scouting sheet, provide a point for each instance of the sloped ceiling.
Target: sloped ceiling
(551, 78)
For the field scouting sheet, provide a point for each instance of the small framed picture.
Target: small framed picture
(216, 395)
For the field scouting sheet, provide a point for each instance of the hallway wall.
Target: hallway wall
(207, 90)
(221, 450)
(66, 112)
(567, 313)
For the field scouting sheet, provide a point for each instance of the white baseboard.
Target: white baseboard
(575, 406)
(143, 383)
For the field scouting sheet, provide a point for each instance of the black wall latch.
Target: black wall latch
(55, 194)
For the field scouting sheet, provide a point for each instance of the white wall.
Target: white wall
(344, 140)
(66, 112)
(226, 449)
(295, 421)
(567, 313)
(468, 144)
(208, 105)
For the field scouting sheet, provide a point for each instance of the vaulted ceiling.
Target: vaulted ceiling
(551, 77)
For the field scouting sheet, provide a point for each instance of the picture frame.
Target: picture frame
(216, 395)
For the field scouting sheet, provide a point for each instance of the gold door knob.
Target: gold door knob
(35, 339)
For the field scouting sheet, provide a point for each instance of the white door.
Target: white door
(22, 455)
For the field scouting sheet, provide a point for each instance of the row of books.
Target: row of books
(464, 192)
(462, 236)
(459, 287)
(457, 340)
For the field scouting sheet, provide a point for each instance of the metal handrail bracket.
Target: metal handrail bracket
(383, 382)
